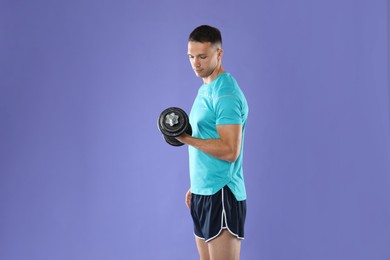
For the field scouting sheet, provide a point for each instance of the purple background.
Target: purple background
(85, 174)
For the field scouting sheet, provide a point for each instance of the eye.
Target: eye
(203, 57)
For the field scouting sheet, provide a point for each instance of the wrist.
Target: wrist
(183, 138)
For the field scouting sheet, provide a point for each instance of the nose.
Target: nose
(197, 62)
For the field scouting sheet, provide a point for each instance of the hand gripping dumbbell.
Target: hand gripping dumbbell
(174, 122)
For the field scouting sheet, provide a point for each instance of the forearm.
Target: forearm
(214, 147)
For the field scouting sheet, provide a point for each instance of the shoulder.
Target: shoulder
(225, 84)
(226, 79)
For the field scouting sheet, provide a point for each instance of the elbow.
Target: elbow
(232, 156)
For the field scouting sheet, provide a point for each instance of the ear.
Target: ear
(220, 53)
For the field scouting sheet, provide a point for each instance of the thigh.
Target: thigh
(202, 249)
(224, 247)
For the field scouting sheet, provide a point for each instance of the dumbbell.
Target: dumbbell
(174, 122)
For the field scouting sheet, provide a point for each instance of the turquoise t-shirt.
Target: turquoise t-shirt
(219, 103)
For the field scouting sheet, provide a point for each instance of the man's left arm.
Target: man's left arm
(227, 147)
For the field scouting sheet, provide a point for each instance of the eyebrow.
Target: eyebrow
(202, 54)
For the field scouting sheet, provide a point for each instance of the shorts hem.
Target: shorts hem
(214, 237)
(235, 235)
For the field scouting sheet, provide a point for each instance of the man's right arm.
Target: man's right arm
(227, 147)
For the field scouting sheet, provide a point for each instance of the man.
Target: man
(217, 197)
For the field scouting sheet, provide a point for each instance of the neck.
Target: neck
(218, 70)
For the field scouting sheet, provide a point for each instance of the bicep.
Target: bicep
(231, 135)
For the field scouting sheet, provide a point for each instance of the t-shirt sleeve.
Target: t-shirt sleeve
(228, 110)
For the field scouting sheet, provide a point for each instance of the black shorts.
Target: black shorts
(211, 214)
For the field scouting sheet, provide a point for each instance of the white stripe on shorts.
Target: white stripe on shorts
(223, 217)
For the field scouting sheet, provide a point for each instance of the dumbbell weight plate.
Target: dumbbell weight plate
(189, 130)
(173, 122)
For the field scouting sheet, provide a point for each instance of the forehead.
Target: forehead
(195, 48)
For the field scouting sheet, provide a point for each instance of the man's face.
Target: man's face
(204, 57)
